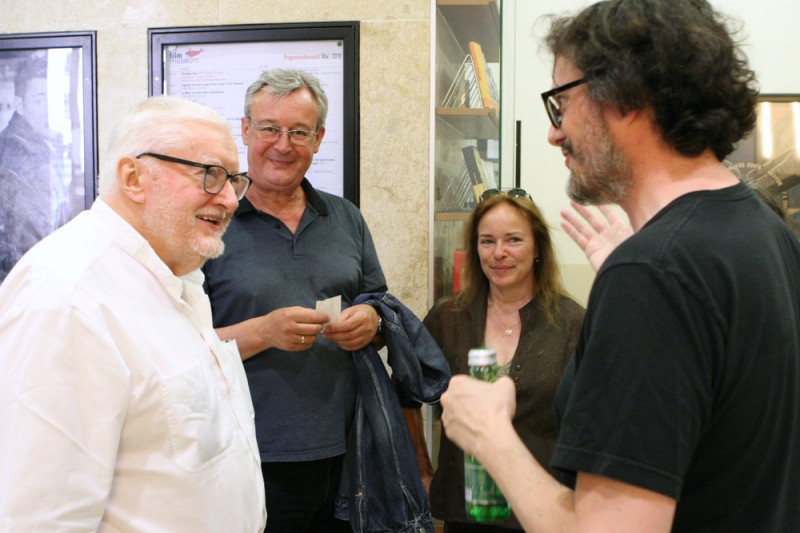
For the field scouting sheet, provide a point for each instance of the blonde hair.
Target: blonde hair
(548, 288)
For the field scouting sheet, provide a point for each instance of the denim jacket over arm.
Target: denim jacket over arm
(381, 489)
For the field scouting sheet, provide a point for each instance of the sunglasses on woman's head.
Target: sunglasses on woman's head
(513, 193)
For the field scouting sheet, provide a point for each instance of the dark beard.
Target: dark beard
(603, 189)
(606, 176)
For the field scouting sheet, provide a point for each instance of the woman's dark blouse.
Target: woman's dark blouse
(536, 368)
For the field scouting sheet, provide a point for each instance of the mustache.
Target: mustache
(219, 215)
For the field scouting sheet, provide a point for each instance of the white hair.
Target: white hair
(156, 124)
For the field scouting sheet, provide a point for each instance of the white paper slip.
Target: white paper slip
(332, 307)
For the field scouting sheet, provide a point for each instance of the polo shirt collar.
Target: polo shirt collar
(314, 199)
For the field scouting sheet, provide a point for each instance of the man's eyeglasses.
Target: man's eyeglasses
(272, 134)
(552, 105)
(215, 176)
(513, 193)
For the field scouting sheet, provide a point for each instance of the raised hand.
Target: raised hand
(602, 234)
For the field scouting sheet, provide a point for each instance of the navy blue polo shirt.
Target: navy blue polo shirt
(303, 400)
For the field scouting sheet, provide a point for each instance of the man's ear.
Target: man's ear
(613, 113)
(627, 125)
(318, 139)
(245, 129)
(131, 180)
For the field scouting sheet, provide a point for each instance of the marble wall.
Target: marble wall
(394, 88)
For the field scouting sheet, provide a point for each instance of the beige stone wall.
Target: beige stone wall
(394, 78)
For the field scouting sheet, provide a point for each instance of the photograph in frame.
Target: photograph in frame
(769, 158)
(48, 156)
(215, 65)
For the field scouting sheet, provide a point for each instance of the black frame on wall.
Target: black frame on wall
(199, 40)
(48, 155)
(21, 44)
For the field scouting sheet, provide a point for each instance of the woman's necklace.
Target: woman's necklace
(508, 329)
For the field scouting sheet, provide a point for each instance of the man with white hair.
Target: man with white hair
(120, 408)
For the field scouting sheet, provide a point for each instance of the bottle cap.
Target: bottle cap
(481, 357)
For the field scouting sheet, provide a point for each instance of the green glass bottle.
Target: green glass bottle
(484, 501)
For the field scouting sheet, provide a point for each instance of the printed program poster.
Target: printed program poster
(218, 75)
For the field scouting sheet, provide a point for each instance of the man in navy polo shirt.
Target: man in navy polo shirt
(289, 246)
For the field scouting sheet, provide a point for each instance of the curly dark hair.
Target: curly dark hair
(676, 56)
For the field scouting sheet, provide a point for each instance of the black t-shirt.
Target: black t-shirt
(686, 378)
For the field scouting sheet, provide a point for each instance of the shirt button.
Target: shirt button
(516, 378)
(518, 366)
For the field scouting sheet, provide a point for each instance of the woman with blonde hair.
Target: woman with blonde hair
(512, 299)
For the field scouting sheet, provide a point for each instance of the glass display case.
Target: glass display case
(466, 136)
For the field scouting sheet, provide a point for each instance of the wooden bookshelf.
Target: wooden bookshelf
(473, 123)
(451, 216)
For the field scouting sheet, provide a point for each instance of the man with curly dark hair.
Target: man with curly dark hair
(681, 406)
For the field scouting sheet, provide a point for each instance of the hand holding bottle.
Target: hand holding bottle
(473, 410)
(483, 499)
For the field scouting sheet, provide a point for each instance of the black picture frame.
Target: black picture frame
(48, 137)
(768, 159)
(229, 82)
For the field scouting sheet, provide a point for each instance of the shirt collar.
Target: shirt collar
(314, 199)
(130, 241)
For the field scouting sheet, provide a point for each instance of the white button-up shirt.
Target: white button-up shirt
(120, 408)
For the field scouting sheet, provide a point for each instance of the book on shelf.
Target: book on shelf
(486, 83)
(489, 170)
(459, 257)
(481, 172)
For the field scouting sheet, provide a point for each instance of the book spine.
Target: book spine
(482, 74)
(474, 163)
(459, 257)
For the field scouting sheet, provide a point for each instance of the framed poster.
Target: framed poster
(215, 65)
(769, 158)
(48, 132)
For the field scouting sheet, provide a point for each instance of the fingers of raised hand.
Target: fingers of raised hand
(575, 234)
(575, 229)
(598, 223)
